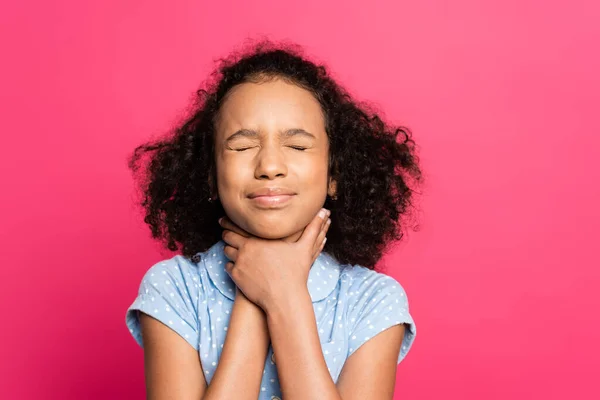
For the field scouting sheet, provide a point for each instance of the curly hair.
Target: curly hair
(371, 166)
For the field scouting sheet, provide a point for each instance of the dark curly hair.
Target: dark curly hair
(371, 166)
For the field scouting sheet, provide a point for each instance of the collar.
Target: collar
(322, 277)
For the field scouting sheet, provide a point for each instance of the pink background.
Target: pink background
(501, 97)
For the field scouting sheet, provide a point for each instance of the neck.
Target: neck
(294, 237)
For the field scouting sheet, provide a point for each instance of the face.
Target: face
(271, 153)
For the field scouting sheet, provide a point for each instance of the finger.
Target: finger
(322, 245)
(322, 235)
(232, 238)
(231, 253)
(319, 250)
(324, 224)
(229, 268)
(313, 228)
(226, 223)
(319, 245)
(322, 232)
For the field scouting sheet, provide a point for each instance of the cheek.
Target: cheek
(230, 175)
(313, 175)
(227, 186)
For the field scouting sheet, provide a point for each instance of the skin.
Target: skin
(257, 144)
(272, 134)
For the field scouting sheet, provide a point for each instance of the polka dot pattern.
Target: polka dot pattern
(381, 304)
(168, 298)
(351, 303)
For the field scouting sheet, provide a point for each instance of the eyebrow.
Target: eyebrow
(249, 133)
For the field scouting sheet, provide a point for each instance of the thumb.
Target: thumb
(312, 230)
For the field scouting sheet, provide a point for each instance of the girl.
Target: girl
(281, 193)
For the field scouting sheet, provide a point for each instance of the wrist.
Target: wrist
(251, 313)
(287, 303)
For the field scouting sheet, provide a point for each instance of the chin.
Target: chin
(271, 229)
(272, 232)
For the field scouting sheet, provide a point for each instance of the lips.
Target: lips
(271, 191)
(270, 198)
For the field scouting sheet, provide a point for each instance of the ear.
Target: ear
(332, 188)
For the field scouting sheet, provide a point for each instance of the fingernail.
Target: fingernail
(220, 220)
(322, 213)
(324, 240)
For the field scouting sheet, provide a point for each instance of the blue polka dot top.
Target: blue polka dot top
(352, 304)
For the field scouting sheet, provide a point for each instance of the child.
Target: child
(281, 193)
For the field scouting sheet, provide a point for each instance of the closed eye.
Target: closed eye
(299, 148)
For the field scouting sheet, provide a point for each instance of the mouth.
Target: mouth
(271, 197)
(272, 201)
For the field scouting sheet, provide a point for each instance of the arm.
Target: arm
(301, 366)
(369, 373)
(240, 369)
(173, 369)
(171, 366)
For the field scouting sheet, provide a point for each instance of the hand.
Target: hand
(267, 271)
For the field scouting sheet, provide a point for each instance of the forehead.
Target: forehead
(273, 104)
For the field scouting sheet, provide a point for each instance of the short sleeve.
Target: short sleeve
(379, 302)
(169, 293)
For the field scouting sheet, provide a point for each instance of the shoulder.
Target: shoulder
(175, 277)
(177, 269)
(170, 291)
(365, 282)
(376, 302)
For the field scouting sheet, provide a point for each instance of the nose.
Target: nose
(271, 163)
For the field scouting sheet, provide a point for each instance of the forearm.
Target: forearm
(301, 367)
(240, 369)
